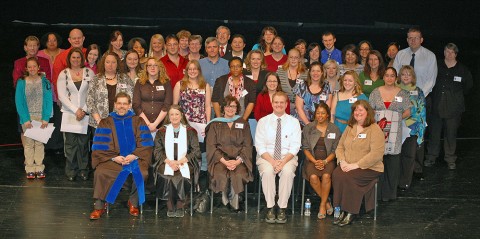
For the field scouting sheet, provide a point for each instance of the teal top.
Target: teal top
(343, 110)
(368, 88)
(21, 101)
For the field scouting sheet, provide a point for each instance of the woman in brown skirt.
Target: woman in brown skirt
(319, 141)
(359, 155)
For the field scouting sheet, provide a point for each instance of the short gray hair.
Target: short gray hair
(452, 46)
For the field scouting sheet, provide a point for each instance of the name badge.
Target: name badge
(352, 100)
(183, 71)
(244, 93)
(457, 78)
(201, 92)
(368, 82)
(249, 76)
(362, 136)
(238, 125)
(331, 136)
(175, 140)
(413, 92)
(398, 99)
(298, 81)
(159, 87)
(280, 66)
(123, 86)
(323, 97)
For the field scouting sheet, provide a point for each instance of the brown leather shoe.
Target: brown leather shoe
(96, 214)
(133, 210)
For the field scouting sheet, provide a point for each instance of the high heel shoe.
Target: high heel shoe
(347, 220)
(339, 218)
(330, 210)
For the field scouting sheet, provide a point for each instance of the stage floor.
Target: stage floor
(442, 206)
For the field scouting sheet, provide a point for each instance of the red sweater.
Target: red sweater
(263, 106)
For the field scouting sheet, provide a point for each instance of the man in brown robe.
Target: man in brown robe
(122, 145)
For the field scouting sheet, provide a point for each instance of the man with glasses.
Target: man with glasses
(424, 64)
(173, 62)
(420, 58)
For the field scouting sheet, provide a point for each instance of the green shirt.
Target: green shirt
(368, 88)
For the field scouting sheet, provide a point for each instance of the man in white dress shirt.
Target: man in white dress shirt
(277, 140)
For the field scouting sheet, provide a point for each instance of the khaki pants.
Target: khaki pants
(285, 183)
(34, 154)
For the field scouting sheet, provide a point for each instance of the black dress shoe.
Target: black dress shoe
(403, 189)
(339, 218)
(419, 176)
(84, 177)
(72, 178)
(347, 220)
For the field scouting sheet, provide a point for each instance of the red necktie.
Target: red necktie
(221, 51)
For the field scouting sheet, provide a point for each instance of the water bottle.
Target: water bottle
(336, 213)
(308, 205)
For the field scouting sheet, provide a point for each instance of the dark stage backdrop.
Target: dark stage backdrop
(352, 21)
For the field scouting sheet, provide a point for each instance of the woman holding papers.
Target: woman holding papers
(33, 99)
(229, 153)
(72, 86)
(176, 155)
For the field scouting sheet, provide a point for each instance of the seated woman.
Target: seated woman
(176, 146)
(319, 141)
(359, 155)
(229, 153)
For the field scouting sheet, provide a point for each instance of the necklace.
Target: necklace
(115, 76)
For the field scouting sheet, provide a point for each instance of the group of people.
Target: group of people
(171, 114)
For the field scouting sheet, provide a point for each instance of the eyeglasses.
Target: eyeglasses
(152, 66)
(230, 106)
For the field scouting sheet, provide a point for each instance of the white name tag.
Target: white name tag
(123, 86)
(159, 87)
(201, 92)
(413, 92)
(457, 78)
(398, 99)
(331, 136)
(280, 66)
(238, 125)
(249, 76)
(175, 140)
(244, 93)
(184, 71)
(323, 97)
(352, 100)
(362, 136)
(368, 82)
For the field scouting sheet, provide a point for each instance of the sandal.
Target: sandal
(321, 216)
(330, 210)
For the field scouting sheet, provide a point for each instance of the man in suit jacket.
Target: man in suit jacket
(223, 35)
(237, 46)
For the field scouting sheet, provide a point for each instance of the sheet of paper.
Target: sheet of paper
(185, 171)
(200, 128)
(72, 125)
(168, 170)
(39, 134)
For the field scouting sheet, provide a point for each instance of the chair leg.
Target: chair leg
(375, 208)
(108, 207)
(293, 198)
(191, 200)
(259, 195)
(303, 197)
(141, 209)
(211, 202)
(156, 205)
(246, 199)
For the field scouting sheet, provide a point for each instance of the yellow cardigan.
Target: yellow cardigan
(365, 148)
